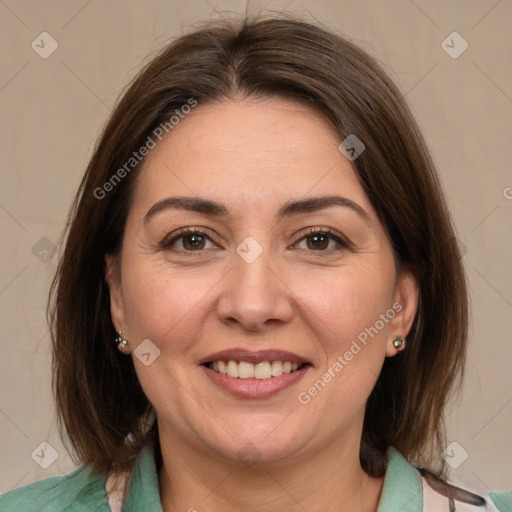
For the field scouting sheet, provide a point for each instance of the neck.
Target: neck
(331, 479)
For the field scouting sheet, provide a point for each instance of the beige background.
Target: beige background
(52, 109)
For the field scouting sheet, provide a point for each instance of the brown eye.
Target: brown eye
(192, 242)
(317, 241)
(186, 240)
(323, 240)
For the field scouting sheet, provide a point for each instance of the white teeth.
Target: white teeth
(277, 369)
(262, 370)
(246, 370)
(232, 369)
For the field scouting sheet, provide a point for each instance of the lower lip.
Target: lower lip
(255, 388)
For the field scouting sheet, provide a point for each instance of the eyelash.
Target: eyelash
(342, 243)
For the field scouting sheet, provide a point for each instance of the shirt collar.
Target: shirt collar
(402, 488)
(143, 492)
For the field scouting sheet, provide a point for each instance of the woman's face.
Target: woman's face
(250, 282)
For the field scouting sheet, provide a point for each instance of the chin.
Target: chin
(268, 447)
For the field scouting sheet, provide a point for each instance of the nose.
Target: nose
(254, 296)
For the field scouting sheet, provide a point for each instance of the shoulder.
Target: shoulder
(77, 491)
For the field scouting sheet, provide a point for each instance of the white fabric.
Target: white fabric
(115, 487)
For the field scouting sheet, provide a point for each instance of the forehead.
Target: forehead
(253, 154)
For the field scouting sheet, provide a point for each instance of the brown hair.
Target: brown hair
(102, 407)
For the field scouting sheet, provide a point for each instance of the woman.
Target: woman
(261, 304)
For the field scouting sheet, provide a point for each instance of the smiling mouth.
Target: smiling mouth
(246, 370)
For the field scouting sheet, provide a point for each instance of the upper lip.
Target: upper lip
(256, 356)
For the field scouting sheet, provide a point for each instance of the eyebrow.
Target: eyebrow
(289, 209)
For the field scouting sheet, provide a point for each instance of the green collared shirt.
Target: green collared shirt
(81, 490)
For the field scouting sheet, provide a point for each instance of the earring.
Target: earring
(399, 343)
(120, 341)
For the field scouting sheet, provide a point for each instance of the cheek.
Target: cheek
(352, 335)
(351, 303)
(165, 305)
(347, 314)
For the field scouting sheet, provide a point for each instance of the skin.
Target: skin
(254, 156)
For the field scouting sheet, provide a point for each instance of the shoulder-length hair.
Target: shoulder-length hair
(102, 410)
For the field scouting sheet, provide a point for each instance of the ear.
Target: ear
(113, 278)
(405, 303)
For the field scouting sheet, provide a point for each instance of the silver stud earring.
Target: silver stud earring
(120, 341)
(398, 342)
